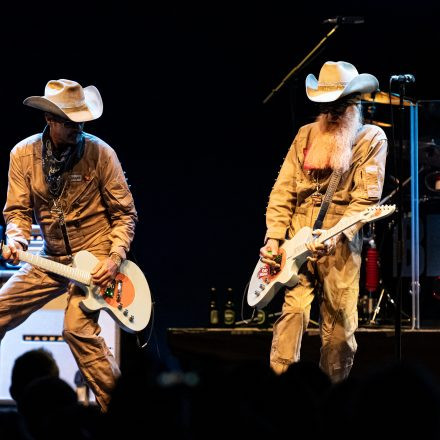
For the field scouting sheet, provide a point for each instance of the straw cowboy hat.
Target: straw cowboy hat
(338, 79)
(68, 100)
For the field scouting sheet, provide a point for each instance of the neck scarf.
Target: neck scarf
(56, 162)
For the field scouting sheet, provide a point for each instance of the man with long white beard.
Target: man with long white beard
(338, 140)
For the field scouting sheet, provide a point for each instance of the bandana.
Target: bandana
(57, 162)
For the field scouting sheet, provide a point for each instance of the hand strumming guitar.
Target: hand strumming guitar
(268, 252)
(105, 272)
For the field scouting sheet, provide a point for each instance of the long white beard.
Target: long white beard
(331, 146)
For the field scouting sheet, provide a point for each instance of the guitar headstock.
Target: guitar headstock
(376, 212)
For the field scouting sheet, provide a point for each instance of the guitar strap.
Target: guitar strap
(333, 184)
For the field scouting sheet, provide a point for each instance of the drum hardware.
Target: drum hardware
(385, 98)
(370, 115)
(369, 306)
(432, 181)
(378, 123)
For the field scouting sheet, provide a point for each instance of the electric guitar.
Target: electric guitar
(127, 300)
(292, 254)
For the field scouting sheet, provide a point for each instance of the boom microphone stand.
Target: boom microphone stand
(302, 63)
(309, 57)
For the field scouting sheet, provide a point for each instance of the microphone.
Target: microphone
(345, 20)
(407, 78)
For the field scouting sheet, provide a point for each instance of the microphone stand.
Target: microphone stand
(399, 244)
(308, 58)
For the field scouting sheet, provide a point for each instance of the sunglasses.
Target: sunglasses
(66, 123)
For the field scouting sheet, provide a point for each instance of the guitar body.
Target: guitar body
(130, 302)
(263, 285)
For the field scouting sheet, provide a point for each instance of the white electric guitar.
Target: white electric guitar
(293, 253)
(128, 300)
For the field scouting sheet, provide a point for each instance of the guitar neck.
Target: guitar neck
(343, 224)
(71, 273)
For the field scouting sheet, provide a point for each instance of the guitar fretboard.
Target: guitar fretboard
(343, 224)
(71, 273)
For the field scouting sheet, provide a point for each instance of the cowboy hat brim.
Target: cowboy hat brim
(90, 110)
(363, 83)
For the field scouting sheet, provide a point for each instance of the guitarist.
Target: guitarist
(337, 140)
(72, 183)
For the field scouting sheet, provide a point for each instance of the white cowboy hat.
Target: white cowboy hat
(338, 79)
(68, 100)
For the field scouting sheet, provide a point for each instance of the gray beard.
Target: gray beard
(332, 143)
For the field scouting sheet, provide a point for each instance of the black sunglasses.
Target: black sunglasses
(67, 123)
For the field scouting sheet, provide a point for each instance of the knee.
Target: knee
(295, 310)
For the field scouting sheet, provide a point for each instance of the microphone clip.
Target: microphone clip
(344, 20)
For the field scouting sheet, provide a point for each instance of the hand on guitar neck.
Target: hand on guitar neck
(10, 251)
(321, 249)
(102, 274)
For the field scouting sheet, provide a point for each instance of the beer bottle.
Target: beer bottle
(229, 310)
(213, 307)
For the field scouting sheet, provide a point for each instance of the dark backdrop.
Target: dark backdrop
(183, 85)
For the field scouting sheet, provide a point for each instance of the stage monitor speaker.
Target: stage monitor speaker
(44, 329)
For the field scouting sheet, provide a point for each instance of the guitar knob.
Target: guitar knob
(125, 312)
(131, 319)
(257, 293)
(262, 286)
(120, 306)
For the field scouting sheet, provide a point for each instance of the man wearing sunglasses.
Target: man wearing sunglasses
(72, 184)
(337, 144)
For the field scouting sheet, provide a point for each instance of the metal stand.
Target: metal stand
(398, 164)
(415, 229)
(306, 59)
(384, 292)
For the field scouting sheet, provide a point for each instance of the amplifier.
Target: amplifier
(44, 329)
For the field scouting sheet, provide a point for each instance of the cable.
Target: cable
(245, 321)
(142, 346)
(139, 344)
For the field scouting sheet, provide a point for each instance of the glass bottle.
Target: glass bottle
(213, 308)
(229, 310)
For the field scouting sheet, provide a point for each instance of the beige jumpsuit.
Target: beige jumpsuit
(100, 217)
(290, 208)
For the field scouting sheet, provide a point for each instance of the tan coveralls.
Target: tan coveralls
(100, 218)
(290, 208)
